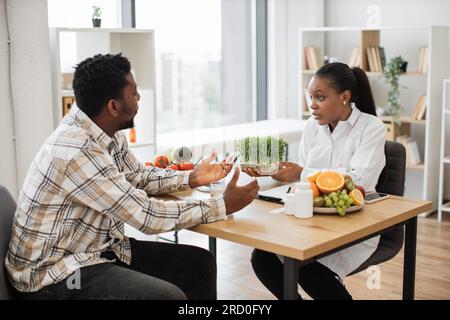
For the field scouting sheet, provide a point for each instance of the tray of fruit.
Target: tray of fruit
(335, 193)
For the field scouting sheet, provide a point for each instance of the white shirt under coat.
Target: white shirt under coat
(356, 147)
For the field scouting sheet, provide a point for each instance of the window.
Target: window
(204, 61)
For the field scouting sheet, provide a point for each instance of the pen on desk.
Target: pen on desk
(270, 199)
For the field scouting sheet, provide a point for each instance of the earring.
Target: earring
(344, 102)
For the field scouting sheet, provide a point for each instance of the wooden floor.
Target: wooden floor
(236, 279)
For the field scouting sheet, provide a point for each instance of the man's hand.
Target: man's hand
(288, 172)
(235, 197)
(206, 172)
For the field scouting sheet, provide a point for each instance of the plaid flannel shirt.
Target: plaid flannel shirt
(79, 191)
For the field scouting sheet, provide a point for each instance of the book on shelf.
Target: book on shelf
(419, 110)
(376, 58)
(423, 59)
(412, 150)
(382, 57)
(370, 59)
(313, 58)
(355, 57)
(67, 103)
(377, 61)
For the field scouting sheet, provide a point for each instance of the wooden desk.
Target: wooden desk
(305, 240)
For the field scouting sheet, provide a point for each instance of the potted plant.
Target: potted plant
(96, 16)
(392, 72)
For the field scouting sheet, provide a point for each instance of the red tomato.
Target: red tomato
(173, 167)
(161, 161)
(186, 166)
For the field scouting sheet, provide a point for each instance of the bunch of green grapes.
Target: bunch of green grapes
(339, 200)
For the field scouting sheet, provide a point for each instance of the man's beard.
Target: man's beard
(127, 125)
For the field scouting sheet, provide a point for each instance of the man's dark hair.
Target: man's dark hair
(98, 79)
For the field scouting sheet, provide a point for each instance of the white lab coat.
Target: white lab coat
(356, 146)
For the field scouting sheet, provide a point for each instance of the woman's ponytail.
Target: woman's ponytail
(364, 97)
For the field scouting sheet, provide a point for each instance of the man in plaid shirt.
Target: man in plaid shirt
(85, 183)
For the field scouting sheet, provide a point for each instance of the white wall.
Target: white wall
(396, 13)
(284, 18)
(8, 176)
(31, 83)
(79, 13)
(393, 13)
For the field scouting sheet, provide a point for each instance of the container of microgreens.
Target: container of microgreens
(261, 154)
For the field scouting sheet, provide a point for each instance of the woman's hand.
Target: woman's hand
(206, 172)
(288, 172)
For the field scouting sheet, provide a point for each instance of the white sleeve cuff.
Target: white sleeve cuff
(186, 175)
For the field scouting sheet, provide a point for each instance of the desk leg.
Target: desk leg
(409, 260)
(213, 246)
(290, 283)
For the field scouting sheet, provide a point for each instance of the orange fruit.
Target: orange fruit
(330, 181)
(315, 190)
(313, 176)
(357, 196)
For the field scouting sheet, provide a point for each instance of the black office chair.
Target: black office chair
(391, 181)
(7, 209)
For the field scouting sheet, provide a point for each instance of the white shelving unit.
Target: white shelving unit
(422, 181)
(70, 46)
(445, 152)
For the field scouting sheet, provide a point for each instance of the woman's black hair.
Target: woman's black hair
(98, 79)
(341, 77)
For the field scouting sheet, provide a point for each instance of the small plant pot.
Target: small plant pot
(404, 66)
(96, 23)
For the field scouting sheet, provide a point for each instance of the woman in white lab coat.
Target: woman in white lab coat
(344, 134)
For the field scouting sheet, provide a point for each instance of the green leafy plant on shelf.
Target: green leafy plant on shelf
(96, 16)
(393, 69)
(96, 12)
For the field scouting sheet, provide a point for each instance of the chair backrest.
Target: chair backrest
(392, 178)
(7, 209)
(391, 181)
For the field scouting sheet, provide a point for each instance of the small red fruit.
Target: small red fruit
(173, 167)
(186, 166)
(361, 189)
(161, 161)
